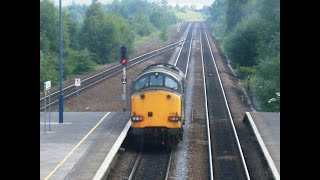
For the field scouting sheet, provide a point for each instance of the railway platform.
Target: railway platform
(266, 126)
(83, 146)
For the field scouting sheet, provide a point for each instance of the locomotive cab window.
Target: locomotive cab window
(141, 83)
(156, 79)
(170, 83)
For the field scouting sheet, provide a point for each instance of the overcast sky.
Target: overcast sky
(197, 3)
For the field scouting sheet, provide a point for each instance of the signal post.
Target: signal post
(123, 61)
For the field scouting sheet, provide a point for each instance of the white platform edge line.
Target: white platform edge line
(263, 147)
(107, 161)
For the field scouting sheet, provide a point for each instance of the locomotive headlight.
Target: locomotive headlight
(137, 118)
(173, 118)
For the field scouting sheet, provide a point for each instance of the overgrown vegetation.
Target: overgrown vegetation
(92, 34)
(249, 34)
(186, 13)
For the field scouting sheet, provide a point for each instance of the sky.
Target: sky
(197, 3)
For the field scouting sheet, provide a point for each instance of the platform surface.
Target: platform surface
(268, 125)
(76, 148)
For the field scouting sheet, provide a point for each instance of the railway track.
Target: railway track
(93, 80)
(182, 60)
(151, 165)
(225, 153)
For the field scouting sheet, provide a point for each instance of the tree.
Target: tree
(103, 33)
(234, 12)
(240, 45)
(49, 26)
(79, 62)
(49, 68)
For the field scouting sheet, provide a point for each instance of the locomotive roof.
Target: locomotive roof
(166, 68)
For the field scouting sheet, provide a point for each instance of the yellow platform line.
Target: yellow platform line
(83, 139)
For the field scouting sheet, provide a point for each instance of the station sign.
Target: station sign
(47, 85)
(77, 82)
(124, 81)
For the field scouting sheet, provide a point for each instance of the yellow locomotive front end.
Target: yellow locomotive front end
(156, 109)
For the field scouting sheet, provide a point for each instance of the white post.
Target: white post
(124, 82)
(49, 111)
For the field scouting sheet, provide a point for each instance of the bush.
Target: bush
(79, 62)
(244, 72)
(163, 35)
(268, 84)
(240, 45)
(49, 69)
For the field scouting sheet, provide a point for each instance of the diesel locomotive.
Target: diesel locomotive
(158, 105)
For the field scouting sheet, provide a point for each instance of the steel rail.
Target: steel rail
(207, 113)
(189, 52)
(175, 64)
(135, 167)
(168, 168)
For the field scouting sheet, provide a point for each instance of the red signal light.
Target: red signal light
(123, 55)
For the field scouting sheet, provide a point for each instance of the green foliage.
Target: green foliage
(49, 26)
(74, 21)
(163, 35)
(216, 17)
(233, 13)
(144, 17)
(103, 33)
(77, 12)
(74, 63)
(244, 72)
(240, 45)
(187, 14)
(49, 68)
(161, 17)
(142, 25)
(268, 84)
(44, 42)
(80, 61)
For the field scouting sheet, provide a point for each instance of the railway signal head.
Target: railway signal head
(123, 55)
